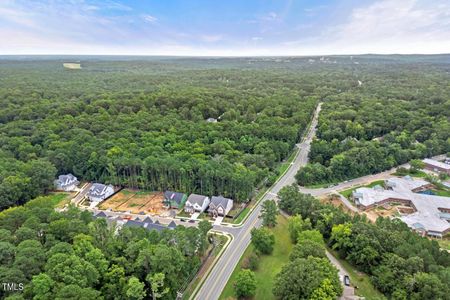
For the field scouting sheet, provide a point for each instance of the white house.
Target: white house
(99, 192)
(66, 182)
(220, 206)
(196, 203)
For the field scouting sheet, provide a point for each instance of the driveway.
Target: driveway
(194, 216)
(218, 221)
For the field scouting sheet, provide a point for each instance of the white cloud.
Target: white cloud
(389, 26)
(149, 19)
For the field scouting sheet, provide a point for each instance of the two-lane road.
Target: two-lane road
(221, 272)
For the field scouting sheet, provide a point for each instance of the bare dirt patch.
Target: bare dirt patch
(136, 202)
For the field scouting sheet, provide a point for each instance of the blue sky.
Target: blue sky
(225, 27)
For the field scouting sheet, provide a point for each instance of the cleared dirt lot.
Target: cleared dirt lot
(136, 202)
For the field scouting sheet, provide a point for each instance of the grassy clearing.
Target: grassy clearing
(269, 265)
(59, 199)
(361, 280)
(348, 193)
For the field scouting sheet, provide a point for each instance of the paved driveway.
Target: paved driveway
(194, 216)
(218, 220)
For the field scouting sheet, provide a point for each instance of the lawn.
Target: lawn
(269, 265)
(362, 280)
(348, 193)
(59, 199)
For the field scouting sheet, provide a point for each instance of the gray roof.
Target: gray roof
(97, 189)
(173, 196)
(100, 215)
(219, 201)
(147, 220)
(148, 226)
(66, 179)
(195, 198)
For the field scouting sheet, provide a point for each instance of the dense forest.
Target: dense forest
(402, 265)
(70, 255)
(143, 123)
(396, 113)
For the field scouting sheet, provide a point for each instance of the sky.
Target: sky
(224, 27)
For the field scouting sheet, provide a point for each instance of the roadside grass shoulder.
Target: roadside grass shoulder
(269, 265)
(359, 279)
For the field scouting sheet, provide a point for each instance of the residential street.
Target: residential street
(221, 272)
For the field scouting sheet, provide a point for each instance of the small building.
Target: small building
(174, 199)
(66, 183)
(211, 120)
(196, 203)
(437, 166)
(220, 206)
(99, 192)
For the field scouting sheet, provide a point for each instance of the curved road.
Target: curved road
(221, 272)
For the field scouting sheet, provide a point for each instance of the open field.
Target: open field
(135, 201)
(269, 265)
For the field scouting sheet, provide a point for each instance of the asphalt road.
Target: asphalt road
(221, 272)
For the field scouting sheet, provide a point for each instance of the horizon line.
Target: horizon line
(229, 56)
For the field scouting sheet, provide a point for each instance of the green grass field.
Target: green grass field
(59, 199)
(269, 265)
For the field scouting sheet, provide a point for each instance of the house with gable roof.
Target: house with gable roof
(99, 192)
(196, 203)
(220, 206)
(66, 183)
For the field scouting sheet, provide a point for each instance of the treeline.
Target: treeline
(23, 180)
(396, 115)
(401, 264)
(69, 255)
(142, 124)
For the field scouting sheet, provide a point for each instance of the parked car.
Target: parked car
(347, 280)
(182, 220)
(191, 221)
